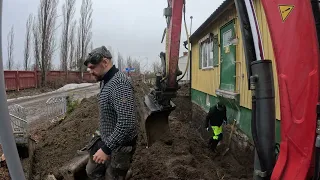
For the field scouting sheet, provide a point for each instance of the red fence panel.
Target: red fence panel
(17, 80)
(26, 79)
(10, 80)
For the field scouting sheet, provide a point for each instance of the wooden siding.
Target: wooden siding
(208, 81)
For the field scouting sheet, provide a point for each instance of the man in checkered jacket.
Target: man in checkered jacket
(117, 118)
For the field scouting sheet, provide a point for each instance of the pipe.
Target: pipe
(263, 118)
(6, 134)
(248, 44)
(188, 42)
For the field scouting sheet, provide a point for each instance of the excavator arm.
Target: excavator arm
(158, 102)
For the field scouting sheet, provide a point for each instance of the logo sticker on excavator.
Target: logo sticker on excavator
(285, 11)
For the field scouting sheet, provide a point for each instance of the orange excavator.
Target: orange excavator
(295, 32)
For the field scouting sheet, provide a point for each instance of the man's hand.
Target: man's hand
(100, 157)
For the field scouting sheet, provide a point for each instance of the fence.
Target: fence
(56, 107)
(17, 80)
(18, 117)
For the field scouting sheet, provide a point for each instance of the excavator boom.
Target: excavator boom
(158, 102)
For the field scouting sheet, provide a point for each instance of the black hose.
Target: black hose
(317, 165)
(255, 136)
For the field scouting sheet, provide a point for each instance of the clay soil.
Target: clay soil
(59, 142)
(4, 173)
(186, 156)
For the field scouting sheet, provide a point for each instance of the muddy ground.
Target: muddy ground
(185, 157)
(4, 173)
(59, 142)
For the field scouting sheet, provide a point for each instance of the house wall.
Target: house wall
(205, 82)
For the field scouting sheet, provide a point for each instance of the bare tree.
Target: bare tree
(36, 43)
(17, 66)
(120, 61)
(85, 34)
(136, 65)
(129, 62)
(44, 31)
(78, 49)
(27, 43)
(68, 10)
(72, 44)
(10, 39)
(156, 67)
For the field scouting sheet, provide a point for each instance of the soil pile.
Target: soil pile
(4, 172)
(187, 155)
(60, 141)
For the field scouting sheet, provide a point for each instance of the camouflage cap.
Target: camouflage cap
(97, 54)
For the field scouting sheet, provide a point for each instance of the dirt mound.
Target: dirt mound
(60, 142)
(4, 172)
(187, 156)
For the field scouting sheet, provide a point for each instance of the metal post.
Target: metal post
(6, 134)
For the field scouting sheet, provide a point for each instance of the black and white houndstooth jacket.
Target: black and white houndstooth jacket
(117, 110)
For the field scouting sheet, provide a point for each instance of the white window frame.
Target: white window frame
(209, 52)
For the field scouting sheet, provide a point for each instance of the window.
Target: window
(208, 52)
(227, 38)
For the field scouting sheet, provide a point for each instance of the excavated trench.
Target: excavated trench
(187, 157)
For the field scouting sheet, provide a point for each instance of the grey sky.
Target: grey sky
(132, 27)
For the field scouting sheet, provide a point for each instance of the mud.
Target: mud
(59, 142)
(187, 156)
(4, 173)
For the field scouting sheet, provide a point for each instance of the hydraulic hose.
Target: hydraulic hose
(255, 136)
(188, 40)
(6, 134)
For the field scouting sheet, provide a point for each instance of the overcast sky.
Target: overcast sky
(132, 27)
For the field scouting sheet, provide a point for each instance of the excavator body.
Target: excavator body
(293, 30)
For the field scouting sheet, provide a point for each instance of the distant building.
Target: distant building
(183, 60)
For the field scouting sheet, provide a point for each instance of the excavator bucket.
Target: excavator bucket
(156, 121)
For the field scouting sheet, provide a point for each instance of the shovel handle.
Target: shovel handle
(232, 129)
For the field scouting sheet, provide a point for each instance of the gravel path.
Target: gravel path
(36, 107)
